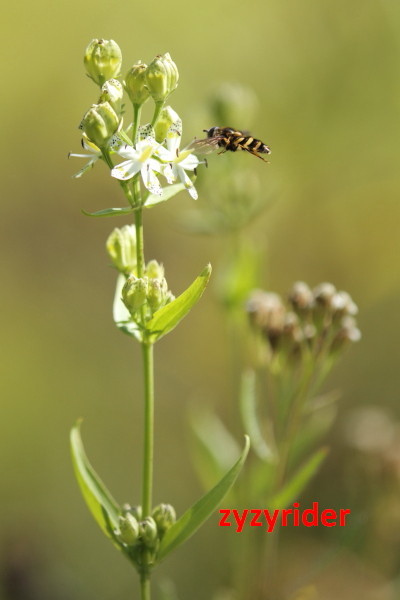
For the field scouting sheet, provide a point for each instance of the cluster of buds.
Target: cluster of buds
(318, 321)
(137, 533)
(149, 292)
(103, 59)
(158, 80)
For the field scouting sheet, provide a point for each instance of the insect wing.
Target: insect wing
(206, 145)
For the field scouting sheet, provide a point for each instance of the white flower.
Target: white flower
(181, 161)
(94, 155)
(142, 158)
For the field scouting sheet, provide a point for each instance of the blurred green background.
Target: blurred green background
(327, 77)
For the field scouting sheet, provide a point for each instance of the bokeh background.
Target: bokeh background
(327, 78)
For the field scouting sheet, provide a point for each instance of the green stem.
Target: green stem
(124, 185)
(145, 586)
(147, 486)
(137, 110)
(157, 112)
(139, 241)
(148, 386)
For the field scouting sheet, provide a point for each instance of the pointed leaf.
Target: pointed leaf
(214, 448)
(101, 504)
(300, 479)
(193, 518)
(250, 419)
(168, 317)
(167, 193)
(110, 212)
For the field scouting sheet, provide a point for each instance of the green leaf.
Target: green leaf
(168, 317)
(251, 420)
(193, 518)
(167, 193)
(214, 448)
(300, 479)
(101, 504)
(110, 212)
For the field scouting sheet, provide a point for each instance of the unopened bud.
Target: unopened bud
(167, 118)
(112, 92)
(148, 532)
(102, 60)
(155, 295)
(134, 293)
(135, 84)
(121, 247)
(100, 123)
(161, 77)
(154, 270)
(128, 529)
(135, 511)
(164, 516)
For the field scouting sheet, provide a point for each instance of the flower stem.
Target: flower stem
(137, 109)
(147, 486)
(145, 586)
(123, 184)
(157, 111)
(148, 386)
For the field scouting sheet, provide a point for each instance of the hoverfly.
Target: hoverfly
(229, 139)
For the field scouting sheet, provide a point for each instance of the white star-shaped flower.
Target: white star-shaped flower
(94, 155)
(143, 157)
(181, 161)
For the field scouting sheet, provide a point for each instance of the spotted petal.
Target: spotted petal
(150, 180)
(126, 170)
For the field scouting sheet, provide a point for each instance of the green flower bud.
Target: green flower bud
(135, 511)
(128, 529)
(102, 60)
(154, 270)
(112, 92)
(167, 118)
(121, 247)
(134, 293)
(148, 532)
(157, 293)
(161, 77)
(135, 84)
(100, 123)
(164, 516)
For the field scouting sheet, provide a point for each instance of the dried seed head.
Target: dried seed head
(343, 304)
(301, 297)
(323, 294)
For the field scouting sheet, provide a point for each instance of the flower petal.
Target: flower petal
(187, 182)
(150, 180)
(126, 170)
